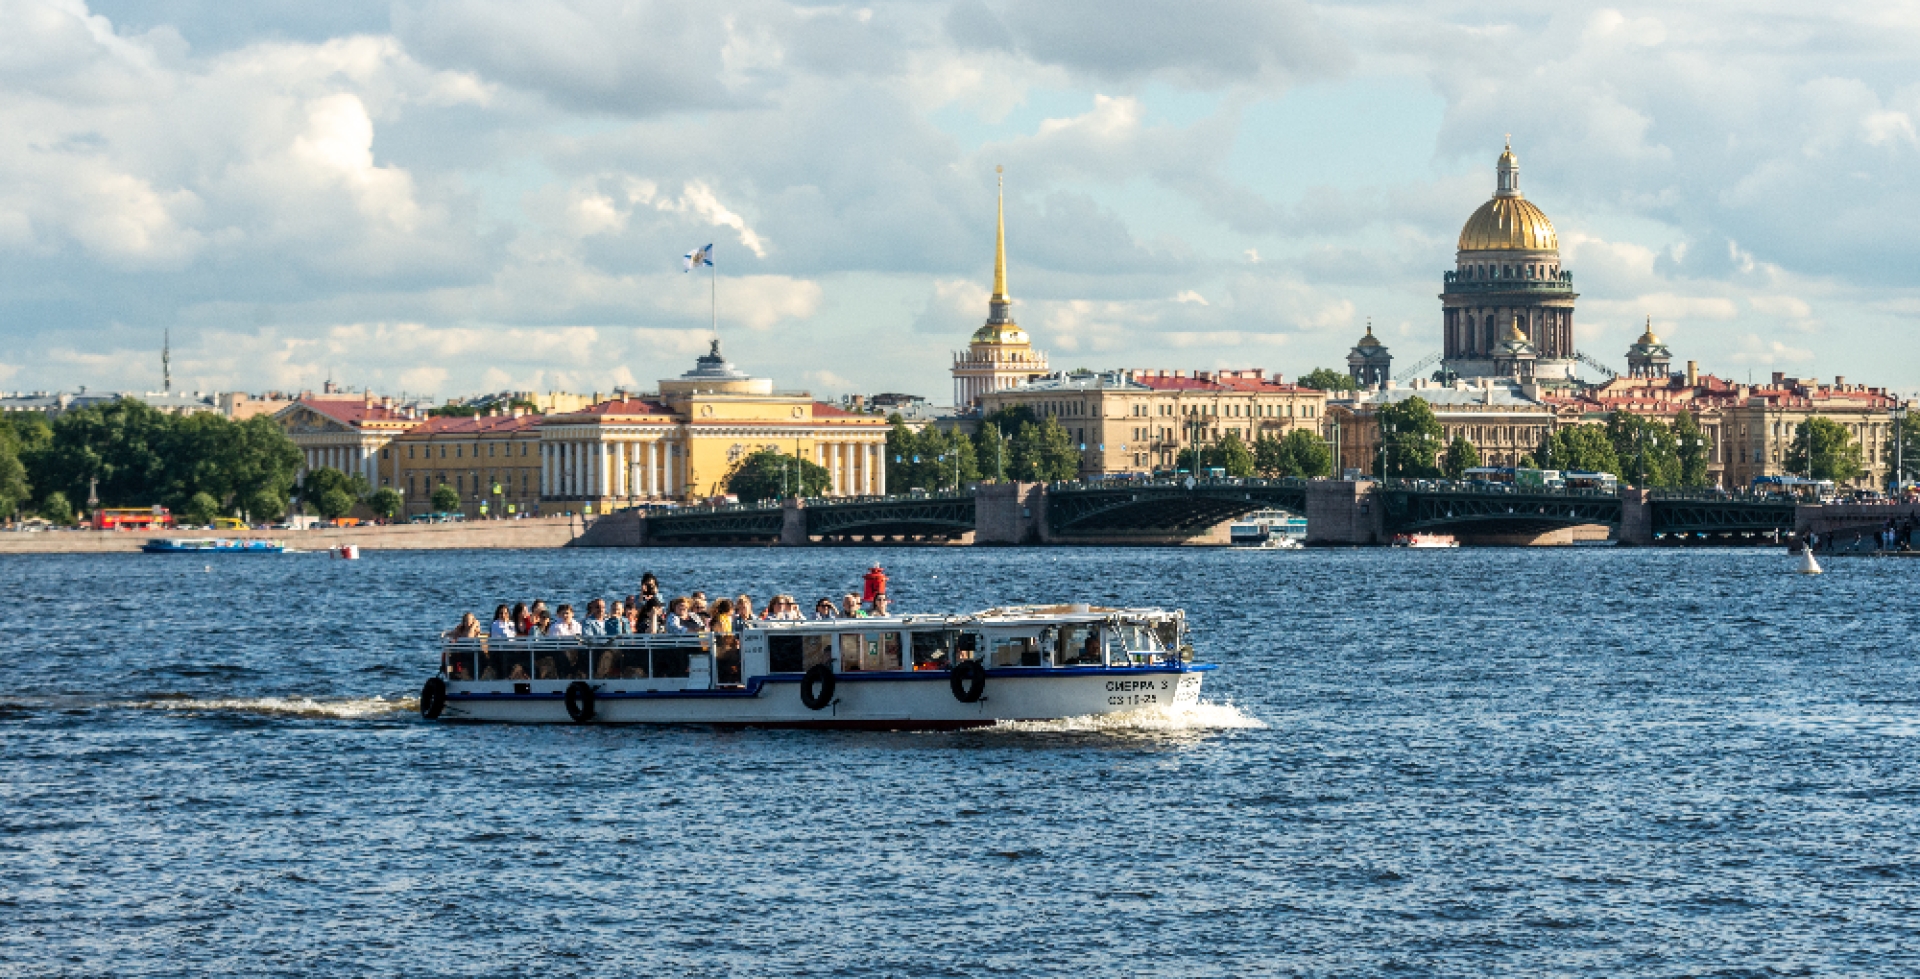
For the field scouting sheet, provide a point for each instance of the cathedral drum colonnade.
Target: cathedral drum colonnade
(1507, 305)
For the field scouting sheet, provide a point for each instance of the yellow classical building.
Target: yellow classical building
(681, 443)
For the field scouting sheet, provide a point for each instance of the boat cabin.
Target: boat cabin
(1024, 639)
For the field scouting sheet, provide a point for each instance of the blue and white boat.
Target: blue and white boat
(901, 672)
(212, 545)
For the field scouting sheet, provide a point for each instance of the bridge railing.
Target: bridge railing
(1491, 489)
(1286, 482)
(1698, 495)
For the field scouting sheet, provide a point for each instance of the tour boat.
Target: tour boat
(1425, 540)
(898, 672)
(1268, 530)
(212, 545)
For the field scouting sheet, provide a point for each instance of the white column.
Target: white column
(880, 470)
(546, 469)
(656, 450)
(562, 463)
(832, 465)
(572, 450)
(602, 457)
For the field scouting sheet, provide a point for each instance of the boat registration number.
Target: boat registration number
(1135, 693)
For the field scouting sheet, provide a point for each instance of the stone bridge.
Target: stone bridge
(1188, 511)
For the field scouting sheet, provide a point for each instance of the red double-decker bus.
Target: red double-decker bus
(132, 518)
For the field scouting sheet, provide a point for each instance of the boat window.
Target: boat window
(671, 663)
(1079, 645)
(934, 650)
(1015, 651)
(786, 654)
(620, 664)
(503, 662)
(458, 664)
(816, 649)
(970, 647)
(1168, 633)
(869, 651)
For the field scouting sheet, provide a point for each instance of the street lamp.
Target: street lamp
(1899, 415)
(1386, 437)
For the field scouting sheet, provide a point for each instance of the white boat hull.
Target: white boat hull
(891, 701)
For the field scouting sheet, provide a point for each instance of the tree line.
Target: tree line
(199, 466)
(1643, 452)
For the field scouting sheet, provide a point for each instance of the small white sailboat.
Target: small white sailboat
(1807, 564)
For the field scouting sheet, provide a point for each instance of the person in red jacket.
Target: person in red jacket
(873, 586)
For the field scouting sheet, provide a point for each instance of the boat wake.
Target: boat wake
(1202, 716)
(356, 707)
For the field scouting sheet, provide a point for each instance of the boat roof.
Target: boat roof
(1007, 615)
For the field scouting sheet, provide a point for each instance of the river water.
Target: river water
(1584, 761)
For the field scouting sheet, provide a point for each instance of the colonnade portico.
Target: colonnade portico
(648, 468)
(361, 458)
(853, 468)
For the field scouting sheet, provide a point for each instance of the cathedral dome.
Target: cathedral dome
(1508, 222)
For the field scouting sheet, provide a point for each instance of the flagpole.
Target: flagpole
(713, 283)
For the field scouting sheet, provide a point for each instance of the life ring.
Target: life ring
(433, 698)
(579, 701)
(968, 680)
(819, 675)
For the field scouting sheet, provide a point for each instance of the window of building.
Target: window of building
(443, 451)
(409, 451)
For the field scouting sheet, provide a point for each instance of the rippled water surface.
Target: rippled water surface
(1502, 762)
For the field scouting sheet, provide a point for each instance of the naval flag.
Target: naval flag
(699, 256)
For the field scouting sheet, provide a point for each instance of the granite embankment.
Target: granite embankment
(546, 532)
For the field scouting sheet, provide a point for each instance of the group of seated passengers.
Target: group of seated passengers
(646, 614)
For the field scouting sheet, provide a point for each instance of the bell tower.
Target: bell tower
(1000, 355)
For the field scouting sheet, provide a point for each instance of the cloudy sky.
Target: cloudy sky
(454, 196)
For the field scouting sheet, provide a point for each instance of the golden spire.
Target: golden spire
(1648, 338)
(1000, 241)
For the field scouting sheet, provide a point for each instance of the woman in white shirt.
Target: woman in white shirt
(502, 625)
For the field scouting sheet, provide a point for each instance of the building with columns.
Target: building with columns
(346, 432)
(681, 443)
(1137, 421)
(1507, 276)
(1001, 354)
(1369, 362)
(1648, 357)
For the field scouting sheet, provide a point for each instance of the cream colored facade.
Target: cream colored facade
(1139, 420)
(345, 433)
(681, 444)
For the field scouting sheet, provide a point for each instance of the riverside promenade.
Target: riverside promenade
(532, 532)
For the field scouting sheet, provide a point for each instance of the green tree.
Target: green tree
(1272, 457)
(1311, 456)
(200, 509)
(1325, 379)
(15, 489)
(1690, 445)
(445, 499)
(1411, 436)
(262, 505)
(56, 508)
(1042, 453)
(1583, 447)
(1823, 449)
(118, 444)
(1234, 455)
(320, 482)
(990, 447)
(385, 502)
(1649, 454)
(766, 475)
(1525, 462)
(1903, 444)
(1461, 456)
(334, 503)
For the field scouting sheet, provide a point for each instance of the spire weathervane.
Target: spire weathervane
(166, 361)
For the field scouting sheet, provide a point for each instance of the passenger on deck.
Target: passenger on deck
(679, 620)
(618, 622)
(502, 626)
(823, 609)
(541, 623)
(469, 628)
(566, 625)
(742, 611)
(880, 604)
(850, 607)
(722, 621)
(596, 621)
(653, 618)
(522, 620)
(519, 672)
(697, 606)
(649, 587)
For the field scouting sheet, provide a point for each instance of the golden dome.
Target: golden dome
(1369, 340)
(1508, 224)
(1647, 339)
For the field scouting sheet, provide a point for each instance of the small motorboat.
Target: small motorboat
(1425, 540)
(212, 545)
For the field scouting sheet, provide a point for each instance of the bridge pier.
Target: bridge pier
(1010, 513)
(626, 529)
(1342, 512)
(793, 522)
(1636, 519)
